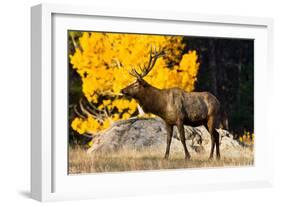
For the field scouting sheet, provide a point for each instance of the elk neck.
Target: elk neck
(148, 98)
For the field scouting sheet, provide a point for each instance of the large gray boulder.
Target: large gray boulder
(147, 133)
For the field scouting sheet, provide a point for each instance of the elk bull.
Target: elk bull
(176, 107)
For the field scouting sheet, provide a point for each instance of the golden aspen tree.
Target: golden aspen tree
(103, 61)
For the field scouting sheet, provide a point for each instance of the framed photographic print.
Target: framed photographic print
(137, 102)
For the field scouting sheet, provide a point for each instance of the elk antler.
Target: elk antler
(153, 56)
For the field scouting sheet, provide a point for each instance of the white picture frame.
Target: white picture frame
(49, 179)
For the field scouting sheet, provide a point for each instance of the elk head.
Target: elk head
(135, 88)
(140, 84)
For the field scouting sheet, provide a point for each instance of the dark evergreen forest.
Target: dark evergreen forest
(227, 71)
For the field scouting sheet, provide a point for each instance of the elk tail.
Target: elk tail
(224, 123)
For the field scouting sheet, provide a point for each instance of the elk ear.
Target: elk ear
(143, 82)
(139, 79)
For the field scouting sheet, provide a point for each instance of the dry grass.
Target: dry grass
(149, 159)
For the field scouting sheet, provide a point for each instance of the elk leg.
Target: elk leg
(169, 140)
(217, 139)
(212, 147)
(210, 125)
(182, 137)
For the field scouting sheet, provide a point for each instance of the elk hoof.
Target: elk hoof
(166, 157)
(187, 157)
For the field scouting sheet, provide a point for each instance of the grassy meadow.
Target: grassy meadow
(149, 159)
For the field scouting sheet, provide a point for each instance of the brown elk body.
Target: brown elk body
(177, 108)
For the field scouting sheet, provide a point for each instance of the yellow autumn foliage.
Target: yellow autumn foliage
(104, 59)
(247, 138)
